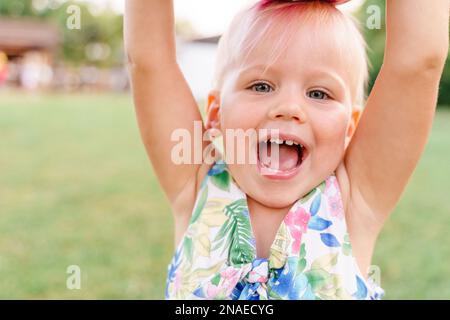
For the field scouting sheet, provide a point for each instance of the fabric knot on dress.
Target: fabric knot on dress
(254, 284)
(259, 271)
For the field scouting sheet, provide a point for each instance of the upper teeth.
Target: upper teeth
(280, 141)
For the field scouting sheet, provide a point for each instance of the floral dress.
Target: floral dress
(310, 258)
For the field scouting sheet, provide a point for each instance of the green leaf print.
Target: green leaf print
(187, 248)
(322, 186)
(325, 262)
(235, 234)
(346, 246)
(272, 293)
(302, 250)
(302, 261)
(318, 278)
(221, 180)
(325, 284)
(216, 279)
(200, 204)
(333, 289)
(301, 265)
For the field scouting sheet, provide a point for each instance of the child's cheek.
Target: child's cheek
(330, 129)
(239, 116)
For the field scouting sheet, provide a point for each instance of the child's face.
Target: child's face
(306, 93)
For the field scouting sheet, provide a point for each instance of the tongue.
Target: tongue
(288, 156)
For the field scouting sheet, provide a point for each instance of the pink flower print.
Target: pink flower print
(334, 198)
(336, 208)
(259, 273)
(297, 223)
(230, 276)
(228, 279)
(297, 219)
(177, 281)
(212, 291)
(229, 273)
(329, 184)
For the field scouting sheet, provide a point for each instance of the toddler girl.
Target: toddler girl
(301, 221)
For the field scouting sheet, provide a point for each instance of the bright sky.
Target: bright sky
(209, 17)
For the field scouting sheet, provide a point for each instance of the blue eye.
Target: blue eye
(318, 94)
(262, 86)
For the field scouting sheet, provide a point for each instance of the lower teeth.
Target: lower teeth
(275, 165)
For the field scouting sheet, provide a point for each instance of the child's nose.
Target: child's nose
(288, 110)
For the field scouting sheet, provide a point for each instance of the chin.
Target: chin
(277, 203)
(277, 199)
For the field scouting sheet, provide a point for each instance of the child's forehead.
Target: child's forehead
(305, 50)
(301, 45)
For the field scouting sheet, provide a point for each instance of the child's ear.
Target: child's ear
(213, 110)
(356, 115)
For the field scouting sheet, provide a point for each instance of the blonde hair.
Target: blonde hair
(280, 21)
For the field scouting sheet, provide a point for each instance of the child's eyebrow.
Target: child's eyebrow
(329, 75)
(264, 68)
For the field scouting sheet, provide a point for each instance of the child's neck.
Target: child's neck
(265, 223)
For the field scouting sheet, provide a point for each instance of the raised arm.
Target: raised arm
(396, 123)
(163, 99)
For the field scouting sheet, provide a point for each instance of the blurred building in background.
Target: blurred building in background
(34, 63)
(40, 53)
(43, 53)
(196, 57)
(30, 47)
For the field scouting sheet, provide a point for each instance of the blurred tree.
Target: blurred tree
(14, 8)
(375, 37)
(99, 41)
(444, 94)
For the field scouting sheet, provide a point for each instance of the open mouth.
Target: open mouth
(280, 157)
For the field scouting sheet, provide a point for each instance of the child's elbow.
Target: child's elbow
(431, 56)
(432, 59)
(149, 62)
(135, 57)
(429, 64)
(435, 60)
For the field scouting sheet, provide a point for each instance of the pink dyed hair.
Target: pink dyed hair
(278, 21)
(264, 3)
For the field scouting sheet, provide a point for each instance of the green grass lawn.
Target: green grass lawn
(76, 188)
